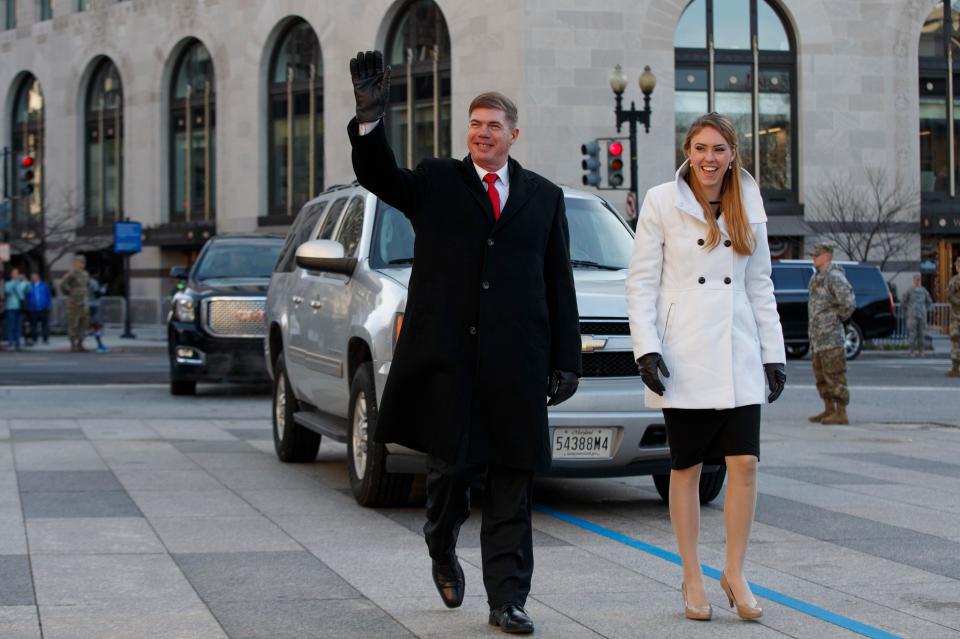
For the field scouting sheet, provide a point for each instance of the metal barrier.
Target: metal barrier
(145, 310)
(938, 323)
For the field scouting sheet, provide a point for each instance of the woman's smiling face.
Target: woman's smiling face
(710, 157)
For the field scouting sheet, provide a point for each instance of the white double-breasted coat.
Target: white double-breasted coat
(711, 313)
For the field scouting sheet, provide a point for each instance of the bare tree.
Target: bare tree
(872, 218)
(54, 235)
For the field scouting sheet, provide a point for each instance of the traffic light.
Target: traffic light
(26, 174)
(615, 165)
(591, 164)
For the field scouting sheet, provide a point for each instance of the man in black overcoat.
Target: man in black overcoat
(490, 334)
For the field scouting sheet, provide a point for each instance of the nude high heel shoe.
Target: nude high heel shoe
(697, 613)
(744, 611)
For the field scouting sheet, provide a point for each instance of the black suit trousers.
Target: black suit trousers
(506, 532)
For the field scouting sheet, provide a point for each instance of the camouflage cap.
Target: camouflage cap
(820, 249)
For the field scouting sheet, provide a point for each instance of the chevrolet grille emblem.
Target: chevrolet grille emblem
(589, 343)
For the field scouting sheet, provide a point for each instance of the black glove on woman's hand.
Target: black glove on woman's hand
(563, 384)
(371, 85)
(648, 365)
(776, 379)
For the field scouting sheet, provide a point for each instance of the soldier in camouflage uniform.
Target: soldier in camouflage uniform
(831, 302)
(75, 286)
(916, 304)
(953, 297)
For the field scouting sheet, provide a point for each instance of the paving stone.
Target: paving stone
(63, 580)
(194, 429)
(13, 540)
(116, 429)
(16, 582)
(292, 502)
(139, 454)
(248, 459)
(50, 455)
(262, 477)
(165, 480)
(45, 434)
(183, 503)
(822, 476)
(67, 481)
(907, 462)
(248, 434)
(262, 576)
(19, 622)
(211, 446)
(310, 619)
(221, 534)
(413, 520)
(79, 504)
(132, 620)
(97, 535)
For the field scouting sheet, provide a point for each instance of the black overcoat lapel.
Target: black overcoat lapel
(522, 189)
(475, 186)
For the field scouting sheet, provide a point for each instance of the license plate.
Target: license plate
(583, 443)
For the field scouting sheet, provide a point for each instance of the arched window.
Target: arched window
(193, 128)
(103, 154)
(296, 120)
(418, 50)
(737, 57)
(27, 138)
(938, 130)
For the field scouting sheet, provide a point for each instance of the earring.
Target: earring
(729, 166)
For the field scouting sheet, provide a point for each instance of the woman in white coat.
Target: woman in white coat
(703, 315)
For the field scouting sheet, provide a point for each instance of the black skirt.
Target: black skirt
(707, 435)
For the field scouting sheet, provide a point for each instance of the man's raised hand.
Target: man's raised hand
(371, 85)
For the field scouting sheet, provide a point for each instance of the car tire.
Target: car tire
(797, 351)
(852, 341)
(710, 485)
(182, 387)
(370, 482)
(294, 443)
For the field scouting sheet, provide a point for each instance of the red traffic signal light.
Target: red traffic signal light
(615, 148)
(26, 162)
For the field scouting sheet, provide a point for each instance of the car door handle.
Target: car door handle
(315, 304)
(297, 299)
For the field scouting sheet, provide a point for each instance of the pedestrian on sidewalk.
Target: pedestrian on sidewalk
(916, 305)
(16, 290)
(462, 387)
(97, 290)
(831, 302)
(76, 287)
(953, 298)
(703, 315)
(38, 308)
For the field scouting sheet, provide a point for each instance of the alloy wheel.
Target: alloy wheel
(359, 434)
(280, 406)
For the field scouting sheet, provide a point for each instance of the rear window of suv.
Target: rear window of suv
(864, 278)
(786, 278)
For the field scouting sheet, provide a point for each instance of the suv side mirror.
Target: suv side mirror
(325, 255)
(179, 272)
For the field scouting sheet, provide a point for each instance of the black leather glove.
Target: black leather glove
(776, 379)
(648, 365)
(371, 85)
(563, 384)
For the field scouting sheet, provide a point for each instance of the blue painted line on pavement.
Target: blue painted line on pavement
(772, 595)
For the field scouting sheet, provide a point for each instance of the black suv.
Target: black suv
(873, 318)
(217, 317)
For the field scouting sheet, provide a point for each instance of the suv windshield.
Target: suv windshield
(237, 259)
(598, 239)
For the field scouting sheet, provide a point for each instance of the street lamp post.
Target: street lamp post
(618, 82)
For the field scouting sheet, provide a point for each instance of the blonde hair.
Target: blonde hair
(731, 194)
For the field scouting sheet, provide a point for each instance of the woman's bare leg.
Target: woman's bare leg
(739, 504)
(685, 517)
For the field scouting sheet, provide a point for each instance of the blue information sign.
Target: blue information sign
(127, 237)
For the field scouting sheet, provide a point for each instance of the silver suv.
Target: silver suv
(335, 308)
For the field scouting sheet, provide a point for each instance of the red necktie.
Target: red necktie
(491, 179)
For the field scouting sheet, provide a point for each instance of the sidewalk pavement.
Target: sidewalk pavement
(149, 337)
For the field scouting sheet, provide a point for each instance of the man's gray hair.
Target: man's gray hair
(496, 100)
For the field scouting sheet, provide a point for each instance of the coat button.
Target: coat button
(485, 285)
(726, 280)
(727, 243)
(489, 241)
(473, 330)
(700, 242)
(702, 280)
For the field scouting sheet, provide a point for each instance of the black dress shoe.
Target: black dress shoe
(448, 577)
(512, 619)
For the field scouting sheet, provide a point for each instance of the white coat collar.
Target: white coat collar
(752, 200)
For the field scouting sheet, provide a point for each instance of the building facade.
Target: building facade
(197, 117)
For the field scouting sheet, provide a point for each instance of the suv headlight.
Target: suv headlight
(184, 309)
